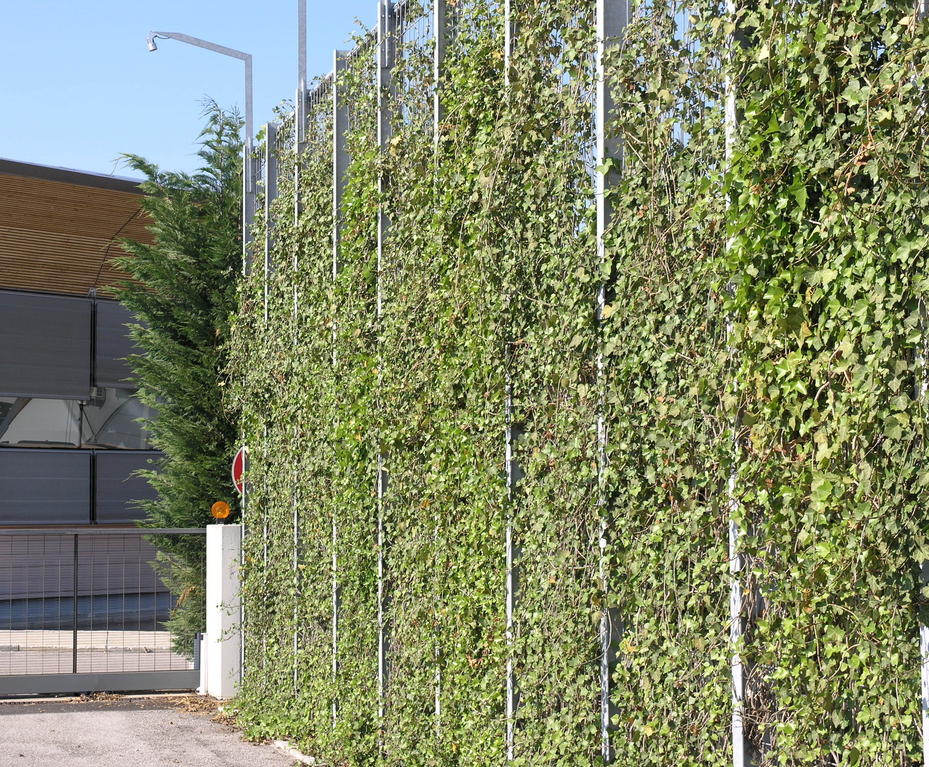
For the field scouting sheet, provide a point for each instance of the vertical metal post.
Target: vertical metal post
(440, 31)
(198, 642)
(301, 45)
(264, 545)
(339, 168)
(300, 121)
(612, 19)
(924, 669)
(339, 154)
(514, 475)
(300, 100)
(299, 129)
(736, 630)
(243, 503)
(740, 751)
(248, 205)
(300, 112)
(270, 184)
(922, 385)
(296, 567)
(386, 45)
(246, 532)
(300, 104)
(510, 478)
(248, 168)
(74, 629)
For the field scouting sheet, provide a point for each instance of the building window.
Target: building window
(109, 420)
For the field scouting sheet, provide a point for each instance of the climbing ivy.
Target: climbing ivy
(828, 269)
(739, 361)
(666, 360)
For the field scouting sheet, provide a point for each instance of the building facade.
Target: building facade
(70, 437)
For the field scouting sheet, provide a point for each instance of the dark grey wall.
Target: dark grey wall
(44, 346)
(44, 487)
(53, 487)
(41, 565)
(117, 489)
(113, 344)
(46, 353)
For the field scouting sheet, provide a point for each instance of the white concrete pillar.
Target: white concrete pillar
(221, 651)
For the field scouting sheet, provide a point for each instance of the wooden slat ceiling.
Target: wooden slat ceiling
(58, 235)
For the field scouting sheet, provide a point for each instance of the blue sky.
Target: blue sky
(80, 87)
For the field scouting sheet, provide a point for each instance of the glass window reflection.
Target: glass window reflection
(109, 421)
(112, 421)
(40, 422)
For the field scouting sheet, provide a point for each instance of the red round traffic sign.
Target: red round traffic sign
(238, 469)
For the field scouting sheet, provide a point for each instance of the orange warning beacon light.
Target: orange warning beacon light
(220, 510)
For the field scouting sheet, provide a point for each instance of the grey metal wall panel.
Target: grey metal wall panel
(44, 346)
(112, 346)
(44, 487)
(117, 489)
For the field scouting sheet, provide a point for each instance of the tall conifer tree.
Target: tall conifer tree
(183, 295)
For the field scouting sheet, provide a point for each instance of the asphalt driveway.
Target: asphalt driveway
(112, 731)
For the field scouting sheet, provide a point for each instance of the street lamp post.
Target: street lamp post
(300, 102)
(248, 171)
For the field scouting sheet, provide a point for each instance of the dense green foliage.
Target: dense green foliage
(828, 267)
(748, 343)
(183, 294)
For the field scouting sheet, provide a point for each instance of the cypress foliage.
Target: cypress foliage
(183, 296)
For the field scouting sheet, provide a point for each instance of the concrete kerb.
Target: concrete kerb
(284, 746)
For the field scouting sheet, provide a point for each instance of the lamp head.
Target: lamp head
(151, 42)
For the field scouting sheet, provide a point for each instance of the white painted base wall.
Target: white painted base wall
(221, 648)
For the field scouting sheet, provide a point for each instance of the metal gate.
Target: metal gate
(85, 610)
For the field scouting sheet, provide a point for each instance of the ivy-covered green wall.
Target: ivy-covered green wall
(736, 359)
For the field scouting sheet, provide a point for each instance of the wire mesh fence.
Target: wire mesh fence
(74, 602)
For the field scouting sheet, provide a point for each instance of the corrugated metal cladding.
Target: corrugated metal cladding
(45, 486)
(58, 228)
(45, 345)
(112, 345)
(72, 487)
(45, 348)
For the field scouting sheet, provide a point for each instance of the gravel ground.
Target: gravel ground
(114, 731)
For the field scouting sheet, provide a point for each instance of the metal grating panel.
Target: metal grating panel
(86, 610)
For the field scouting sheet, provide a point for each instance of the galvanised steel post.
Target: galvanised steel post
(386, 51)
(270, 185)
(922, 386)
(440, 32)
(340, 161)
(612, 20)
(740, 750)
(511, 467)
